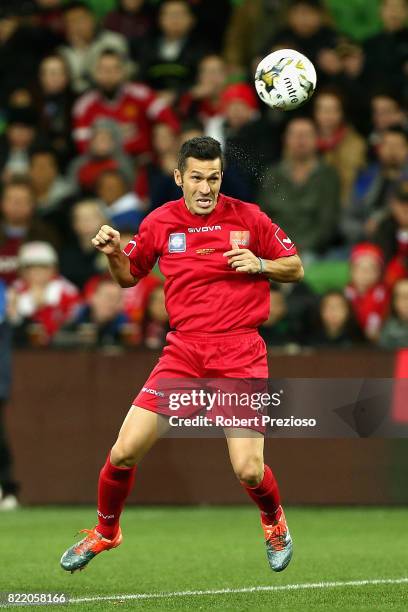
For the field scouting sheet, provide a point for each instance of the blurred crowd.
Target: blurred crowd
(94, 105)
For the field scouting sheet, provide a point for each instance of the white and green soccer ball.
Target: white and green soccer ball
(285, 79)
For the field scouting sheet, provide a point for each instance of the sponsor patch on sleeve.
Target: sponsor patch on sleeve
(129, 248)
(284, 240)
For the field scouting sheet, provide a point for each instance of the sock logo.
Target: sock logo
(105, 516)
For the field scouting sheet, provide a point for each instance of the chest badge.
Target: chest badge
(177, 243)
(239, 238)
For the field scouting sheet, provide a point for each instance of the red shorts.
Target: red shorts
(240, 355)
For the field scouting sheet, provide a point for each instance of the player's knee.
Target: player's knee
(122, 455)
(250, 470)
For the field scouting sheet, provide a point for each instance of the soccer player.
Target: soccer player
(217, 255)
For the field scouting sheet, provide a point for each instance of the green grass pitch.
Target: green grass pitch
(173, 550)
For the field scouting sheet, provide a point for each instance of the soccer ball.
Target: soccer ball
(285, 79)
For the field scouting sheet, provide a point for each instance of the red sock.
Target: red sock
(115, 484)
(266, 496)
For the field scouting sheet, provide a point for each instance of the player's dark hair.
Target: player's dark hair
(201, 147)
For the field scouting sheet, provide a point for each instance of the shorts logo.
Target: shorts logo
(239, 238)
(153, 392)
(285, 241)
(177, 243)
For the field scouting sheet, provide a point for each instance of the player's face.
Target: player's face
(201, 183)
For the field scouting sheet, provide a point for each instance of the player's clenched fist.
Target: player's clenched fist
(107, 240)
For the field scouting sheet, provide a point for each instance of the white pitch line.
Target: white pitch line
(254, 589)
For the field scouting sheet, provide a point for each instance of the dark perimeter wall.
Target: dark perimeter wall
(67, 407)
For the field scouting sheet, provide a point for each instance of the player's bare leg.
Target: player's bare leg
(140, 430)
(246, 453)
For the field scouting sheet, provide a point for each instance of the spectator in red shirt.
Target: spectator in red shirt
(134, 106)
(40, 300)
(366, 291)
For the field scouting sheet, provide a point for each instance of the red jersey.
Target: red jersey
(61, 298)
(134, 109)
(203, 293)
(370, 308)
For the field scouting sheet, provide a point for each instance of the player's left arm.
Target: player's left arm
(282, 270)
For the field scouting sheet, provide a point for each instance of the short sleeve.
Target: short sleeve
(273, 241)
(141, 250)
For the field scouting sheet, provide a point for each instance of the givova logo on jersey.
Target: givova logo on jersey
(177, 243)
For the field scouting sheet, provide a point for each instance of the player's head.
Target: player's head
(199, 173)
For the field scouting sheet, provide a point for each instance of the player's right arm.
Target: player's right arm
(107, 241)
